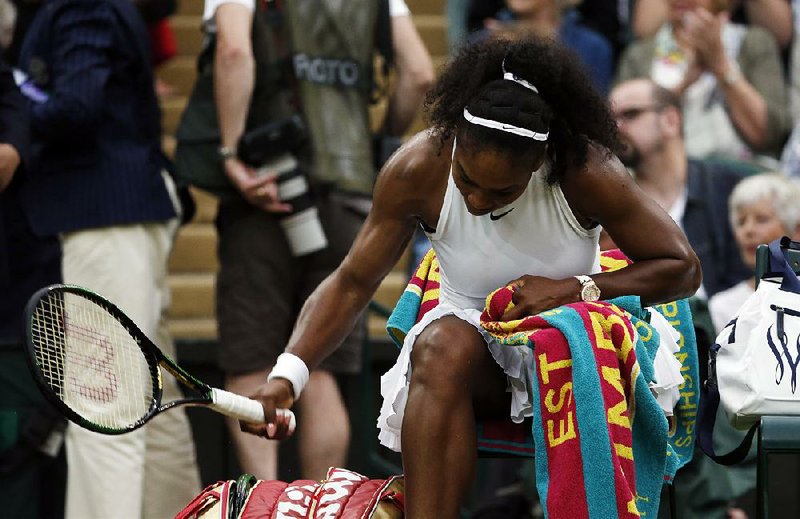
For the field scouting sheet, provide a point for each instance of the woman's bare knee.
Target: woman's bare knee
(448, 350)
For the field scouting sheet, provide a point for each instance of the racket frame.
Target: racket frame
(154, 356)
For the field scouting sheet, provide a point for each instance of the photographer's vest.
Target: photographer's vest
(330, 67)
(314, 57)
(333, 43)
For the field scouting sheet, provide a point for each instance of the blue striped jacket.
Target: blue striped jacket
(96, 149)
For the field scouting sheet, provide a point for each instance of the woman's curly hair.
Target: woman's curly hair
(567, 105)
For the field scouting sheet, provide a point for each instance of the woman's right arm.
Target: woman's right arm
(330, 313)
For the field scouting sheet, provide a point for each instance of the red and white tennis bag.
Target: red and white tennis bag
(343, 494)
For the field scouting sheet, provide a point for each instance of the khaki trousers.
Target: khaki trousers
(151, 472)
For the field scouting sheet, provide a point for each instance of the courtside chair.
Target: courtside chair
(776, 434)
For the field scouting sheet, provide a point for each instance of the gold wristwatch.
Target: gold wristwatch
(589, 290)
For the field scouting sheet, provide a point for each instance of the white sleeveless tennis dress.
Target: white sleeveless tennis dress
(539, 236)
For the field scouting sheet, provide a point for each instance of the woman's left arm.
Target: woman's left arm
(603, 193)
(665, 267)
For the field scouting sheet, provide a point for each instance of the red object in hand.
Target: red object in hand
(162, 41)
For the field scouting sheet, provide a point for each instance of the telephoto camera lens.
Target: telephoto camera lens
(302, 226)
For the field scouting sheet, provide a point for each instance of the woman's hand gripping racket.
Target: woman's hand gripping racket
(104, 374)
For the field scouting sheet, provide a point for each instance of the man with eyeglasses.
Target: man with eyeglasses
(695, 194)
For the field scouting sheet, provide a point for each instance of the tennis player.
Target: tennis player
(511, 184)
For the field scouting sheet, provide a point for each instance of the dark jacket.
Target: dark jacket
(27, 262)
(707, 225)
(96, 152)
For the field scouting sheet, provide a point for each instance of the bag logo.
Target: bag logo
(780, 333)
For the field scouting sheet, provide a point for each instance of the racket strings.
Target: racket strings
(92, 361)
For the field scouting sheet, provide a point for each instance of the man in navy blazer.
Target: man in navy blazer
(97, 157)
(97, 180)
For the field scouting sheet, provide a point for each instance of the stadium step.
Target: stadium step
(180, 73)
(195, 250)
(192, 295)
(171, 110)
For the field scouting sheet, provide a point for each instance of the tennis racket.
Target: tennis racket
(103, 373)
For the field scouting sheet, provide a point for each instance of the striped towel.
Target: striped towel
(581, 442)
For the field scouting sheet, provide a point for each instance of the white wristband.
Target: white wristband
(292, 368)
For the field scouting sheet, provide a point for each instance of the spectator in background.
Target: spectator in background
(481, 11)
(556, 19)
(97, 180)
(790, 158)
(794, 64)
(762, 208)
(32, 477)
(695, 194)
(261, 285)
(773, 15)
(611, 18)
(728, 76)
(164, 47)
(456, 12)
(414, 69)
(8, 18)
(25, 11)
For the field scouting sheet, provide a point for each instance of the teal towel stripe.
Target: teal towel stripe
(595, 442)
(540, 452)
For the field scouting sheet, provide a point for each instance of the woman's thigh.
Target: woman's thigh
(454, 351)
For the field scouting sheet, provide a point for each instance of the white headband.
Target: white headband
(516, 130)
(516, 79)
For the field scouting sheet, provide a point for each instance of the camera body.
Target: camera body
(271, 149)
(261, 145)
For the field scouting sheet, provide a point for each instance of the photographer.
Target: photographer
(262, 281)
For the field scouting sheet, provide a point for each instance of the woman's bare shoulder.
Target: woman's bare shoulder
(601, 165)
(601, 181)
(414, 178)
(419, 159)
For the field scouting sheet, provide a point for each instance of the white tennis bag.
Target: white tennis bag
(758, 352)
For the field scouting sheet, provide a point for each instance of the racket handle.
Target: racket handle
(243, 408)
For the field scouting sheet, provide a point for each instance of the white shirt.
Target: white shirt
(676, 212)
(539, 235)
(725, 304)
(678, 208)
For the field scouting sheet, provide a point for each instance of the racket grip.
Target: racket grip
(243, 408)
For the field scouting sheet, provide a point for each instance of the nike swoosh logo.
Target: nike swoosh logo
(495, 217)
